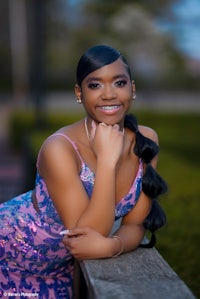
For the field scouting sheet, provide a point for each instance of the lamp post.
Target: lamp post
(19, 49)
(37, 55)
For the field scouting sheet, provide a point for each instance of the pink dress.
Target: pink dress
(33, 260)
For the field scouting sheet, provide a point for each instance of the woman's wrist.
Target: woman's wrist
(106, 162)
(118, 246)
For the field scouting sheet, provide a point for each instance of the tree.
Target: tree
(132, 27)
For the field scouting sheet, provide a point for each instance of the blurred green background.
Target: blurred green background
(40, 44)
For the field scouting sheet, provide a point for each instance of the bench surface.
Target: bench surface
(140, 274)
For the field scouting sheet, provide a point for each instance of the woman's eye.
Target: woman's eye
(121, 83)
(93, 85)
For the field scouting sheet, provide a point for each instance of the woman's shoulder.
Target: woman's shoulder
(148, 132)
(64, 136)
(59, 146)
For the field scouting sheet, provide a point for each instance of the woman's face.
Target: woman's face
(107, 93)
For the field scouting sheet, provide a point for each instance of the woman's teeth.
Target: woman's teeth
(109, 107)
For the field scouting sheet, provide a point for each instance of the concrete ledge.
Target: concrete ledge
(140, 274)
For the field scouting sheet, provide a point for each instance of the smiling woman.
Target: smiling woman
(89, 174)
(107, 91)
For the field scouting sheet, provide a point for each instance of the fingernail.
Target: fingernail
(64, 232)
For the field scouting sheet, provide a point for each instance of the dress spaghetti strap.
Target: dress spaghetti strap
(68, 139)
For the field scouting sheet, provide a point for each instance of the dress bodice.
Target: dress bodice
(87, 177)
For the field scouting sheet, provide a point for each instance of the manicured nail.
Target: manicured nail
(64, 232)
(103, 124)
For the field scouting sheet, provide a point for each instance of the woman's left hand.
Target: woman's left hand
(86, 243)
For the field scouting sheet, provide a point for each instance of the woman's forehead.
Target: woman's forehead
(114, 69)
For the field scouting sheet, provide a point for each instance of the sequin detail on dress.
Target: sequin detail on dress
(130, 200)
(33, 259)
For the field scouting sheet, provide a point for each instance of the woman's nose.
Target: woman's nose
(108, 93)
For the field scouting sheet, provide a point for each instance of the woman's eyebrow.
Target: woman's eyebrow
(119, 76)
(93, 79)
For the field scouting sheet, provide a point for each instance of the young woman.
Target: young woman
(89, 174)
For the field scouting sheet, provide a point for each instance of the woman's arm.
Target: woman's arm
(59, 167)
(85, 243)
(131, 231)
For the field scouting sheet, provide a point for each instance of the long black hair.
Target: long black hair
(152, 183)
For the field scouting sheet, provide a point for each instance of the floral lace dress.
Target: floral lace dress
(33, 260)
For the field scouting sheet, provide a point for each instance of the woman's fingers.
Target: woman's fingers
(75, 231)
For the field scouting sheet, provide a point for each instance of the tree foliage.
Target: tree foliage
(130, 25)
(106, 8)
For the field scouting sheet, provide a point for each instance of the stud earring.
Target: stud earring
(78, 100)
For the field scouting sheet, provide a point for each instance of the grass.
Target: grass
(179, 164)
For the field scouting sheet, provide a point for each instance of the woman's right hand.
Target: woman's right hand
(107, 142)
(86, 243)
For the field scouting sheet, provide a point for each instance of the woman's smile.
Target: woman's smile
(109, 109)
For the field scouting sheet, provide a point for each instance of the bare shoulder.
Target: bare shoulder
(56, 144)
(149, 132)
(57, 152)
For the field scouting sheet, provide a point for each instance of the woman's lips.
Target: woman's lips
(109, 109)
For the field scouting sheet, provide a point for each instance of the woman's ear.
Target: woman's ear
(133, 89)
(78, 93)
(133, 86)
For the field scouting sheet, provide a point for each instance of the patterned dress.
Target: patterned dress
(34, 262)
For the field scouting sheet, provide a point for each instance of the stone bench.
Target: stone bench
(140, 274)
